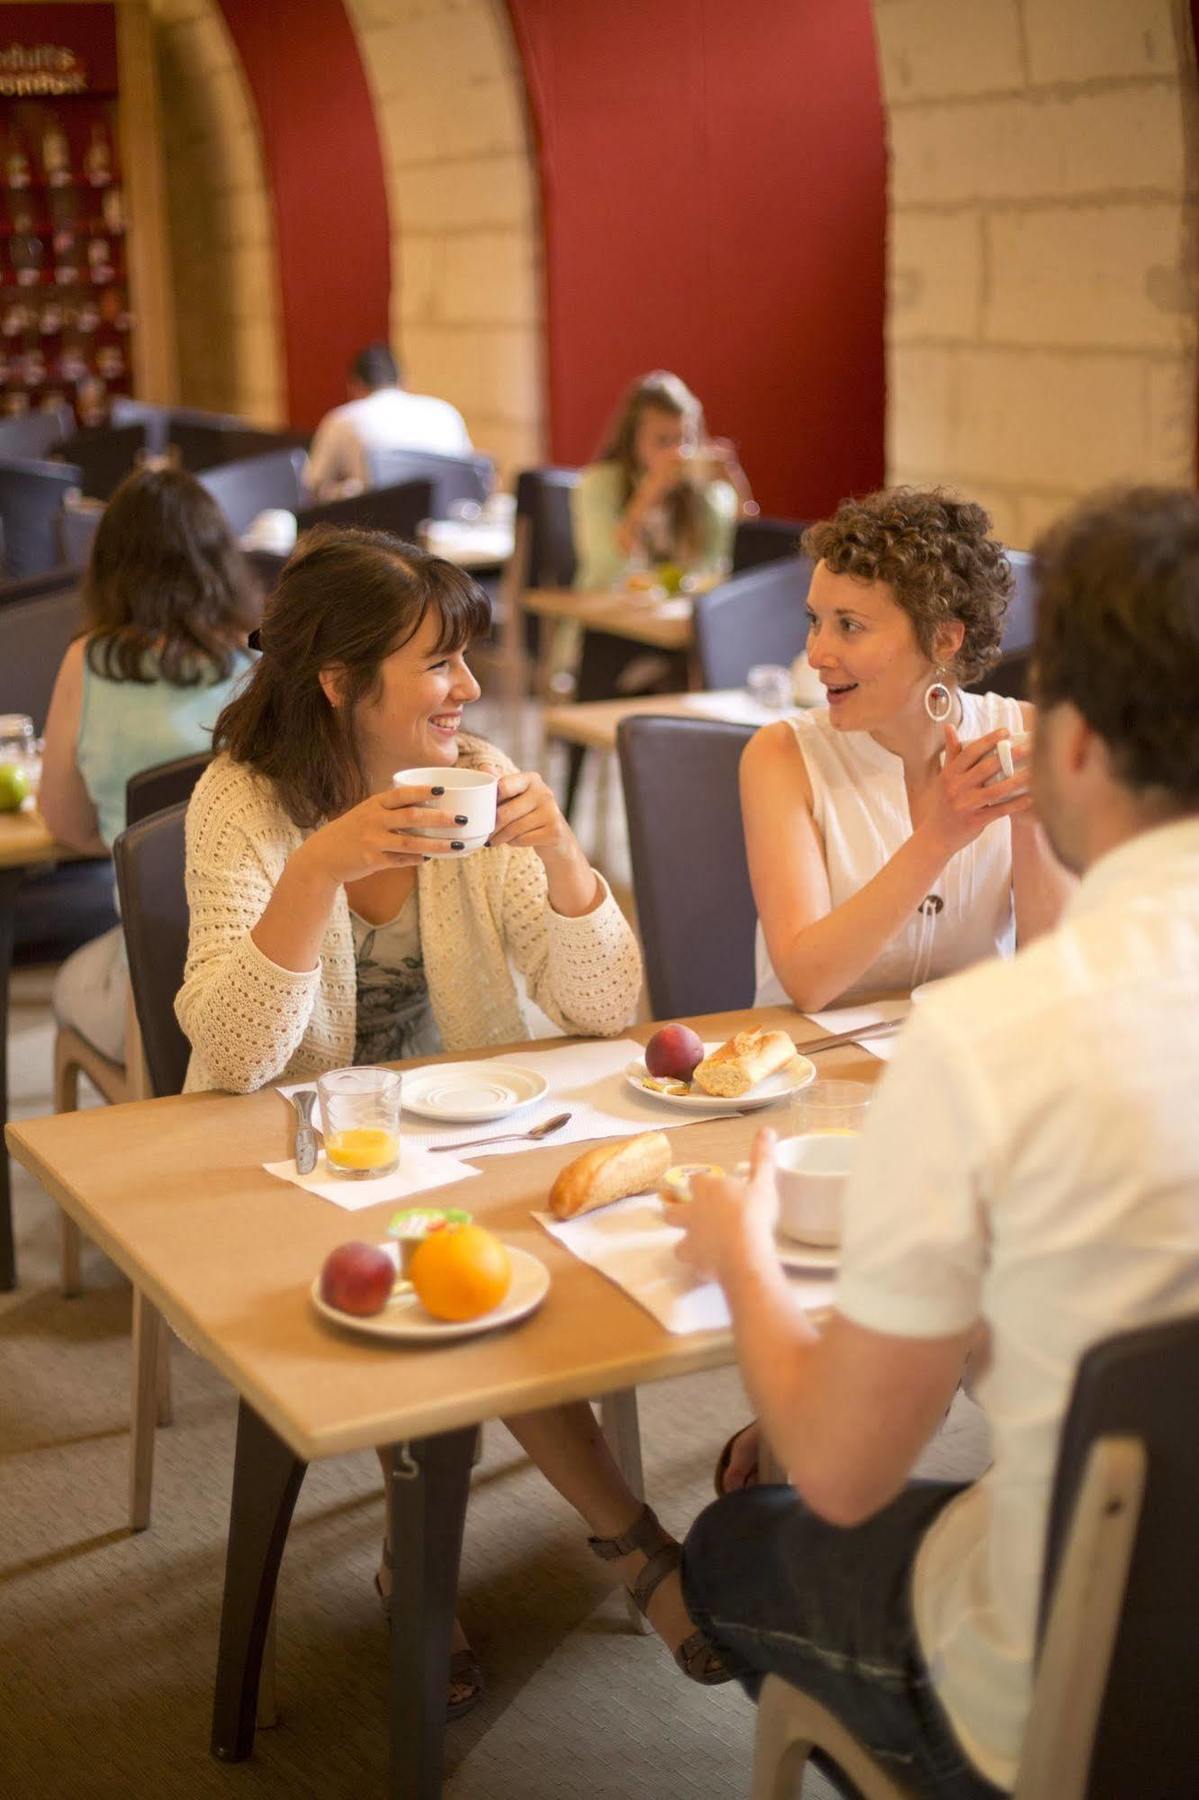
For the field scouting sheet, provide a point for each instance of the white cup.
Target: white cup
(468, 792)
(1009, 766)
(812, 1172)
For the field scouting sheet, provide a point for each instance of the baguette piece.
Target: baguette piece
(609, 1172)
(744, 1061)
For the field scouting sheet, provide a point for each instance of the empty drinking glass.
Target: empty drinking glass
(770, 685)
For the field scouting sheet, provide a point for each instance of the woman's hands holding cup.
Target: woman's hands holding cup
(726, 1217)
(528, 817)
(376, 834)
(966, 796)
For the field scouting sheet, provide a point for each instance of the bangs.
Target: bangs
(463, 609)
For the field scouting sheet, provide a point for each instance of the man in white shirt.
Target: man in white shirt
(379, 415)
(1028, 1183)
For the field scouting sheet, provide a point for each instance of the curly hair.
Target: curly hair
(1118, 631)
(935, 555)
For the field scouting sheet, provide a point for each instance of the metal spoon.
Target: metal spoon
(505, 1137)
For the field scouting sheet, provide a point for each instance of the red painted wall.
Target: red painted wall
(325, 170)
(714, 199)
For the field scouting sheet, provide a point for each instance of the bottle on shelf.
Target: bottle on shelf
(27, 255)
(49, 317)
(99, 260)
(56, 154)
(97, 158)
(16, 161)
(91, 401)
(112, 208)
(16, 402)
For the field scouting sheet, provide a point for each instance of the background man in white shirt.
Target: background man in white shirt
(1028, 1183)
(379, 415)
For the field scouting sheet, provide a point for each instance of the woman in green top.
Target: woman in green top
(168, 603)
(660, 492)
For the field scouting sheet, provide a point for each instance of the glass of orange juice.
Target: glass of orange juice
(360, 1113)
(830, 1106)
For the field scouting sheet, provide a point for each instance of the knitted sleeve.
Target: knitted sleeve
(585, 974)
(243, 1014)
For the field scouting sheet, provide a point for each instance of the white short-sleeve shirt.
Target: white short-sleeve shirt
(1032, 1160)
(387, 419)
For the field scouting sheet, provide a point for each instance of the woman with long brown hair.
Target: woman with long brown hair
(306, 887)
(168, 602)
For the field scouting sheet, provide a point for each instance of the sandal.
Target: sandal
(696, 1656)
(725, 1458)
(464, 1664)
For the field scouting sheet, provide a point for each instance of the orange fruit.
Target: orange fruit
(460, 1272)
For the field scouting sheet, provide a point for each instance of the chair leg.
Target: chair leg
(164, 1404)
(779, 1757)
(70, 1278)
(147, 1332)
(66, 1099)
(622, 1431)
(267, 1712)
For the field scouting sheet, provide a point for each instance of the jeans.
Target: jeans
(780, 1591)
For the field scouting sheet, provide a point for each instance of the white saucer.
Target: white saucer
(405, 1321)
(807, 1259)
(779, 1086)
(470, 1092)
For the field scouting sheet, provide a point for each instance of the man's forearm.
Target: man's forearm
(776, 1348)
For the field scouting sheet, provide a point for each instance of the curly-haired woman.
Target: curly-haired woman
(885, 845)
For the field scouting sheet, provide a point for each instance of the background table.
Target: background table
(593, 723)
(660, 624)
(173, 1190)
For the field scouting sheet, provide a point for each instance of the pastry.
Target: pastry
(744, 1061)
(609, 1172)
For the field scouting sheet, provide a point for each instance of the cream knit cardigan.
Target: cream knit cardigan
(250, 1022)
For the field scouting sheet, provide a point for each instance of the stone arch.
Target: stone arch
(1042, 304)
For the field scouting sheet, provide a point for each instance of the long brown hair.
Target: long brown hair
(345, 601)
(666, 393)
(167, 595)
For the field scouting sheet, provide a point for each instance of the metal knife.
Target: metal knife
(305, 1151)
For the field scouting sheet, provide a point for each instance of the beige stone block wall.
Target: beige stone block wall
(222, 241)
(1043, 307)
(462, 187)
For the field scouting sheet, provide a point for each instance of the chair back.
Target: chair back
(32, 436)
(543, 504)
(78, 523)
(454, 478)
(695, 907)
(154, 420)
(758, 541)
(399, 509)
(31, 500)
(1020, 621)
(104, 455)
(34, 635)
(32, 587)
(149, 862)
(1139, 1385)
(244, 489)
(166, 784)
(759, 616)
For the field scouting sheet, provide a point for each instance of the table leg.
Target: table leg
(430, 1480)
(10, 881)
(266, 1481)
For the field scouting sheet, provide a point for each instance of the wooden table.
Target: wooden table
(173, 1191)
(660, 624)
(593, 723)
(25, 844)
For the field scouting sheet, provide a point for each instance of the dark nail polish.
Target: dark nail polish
(461, 819)
(455, 845)
(437, 790)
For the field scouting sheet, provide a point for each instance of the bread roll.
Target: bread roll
(609, 1172)
(744, 1061)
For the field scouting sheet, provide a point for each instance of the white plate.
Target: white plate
(779, 1086)
(470, 1092)
(806, 1258)
(405, 1321)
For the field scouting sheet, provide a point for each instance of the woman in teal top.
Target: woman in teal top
(168, 602)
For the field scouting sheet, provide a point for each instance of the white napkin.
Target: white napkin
(856, 1018)
(417, 1173)
(587, 1080)
(632, 1243)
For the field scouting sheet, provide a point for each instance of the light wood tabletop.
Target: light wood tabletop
(26, 842)
(661, 624)
(593, 723)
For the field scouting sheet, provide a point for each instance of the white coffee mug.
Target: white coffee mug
(812, 1172)
(468, 792)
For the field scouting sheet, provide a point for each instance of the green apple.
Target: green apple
(14, 786)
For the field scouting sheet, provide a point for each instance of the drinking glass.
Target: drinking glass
(830, 1106)
(770, 685)
(360, 1115)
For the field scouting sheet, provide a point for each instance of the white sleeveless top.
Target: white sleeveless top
(860, 808)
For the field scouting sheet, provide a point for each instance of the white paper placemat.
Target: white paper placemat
(586, 1080)
(856, 1018)
(632, 1242)
(417, 1173)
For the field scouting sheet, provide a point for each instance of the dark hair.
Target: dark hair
(167, 594)
(345, 600)
(1118, 631)
(663, 392)
(376, 367)
(935, 554)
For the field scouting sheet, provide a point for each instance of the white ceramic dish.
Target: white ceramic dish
(470, 1093)
(779, 1086)
(405, 1321)
(806, 1259)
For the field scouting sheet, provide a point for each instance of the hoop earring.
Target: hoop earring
(938, 700)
